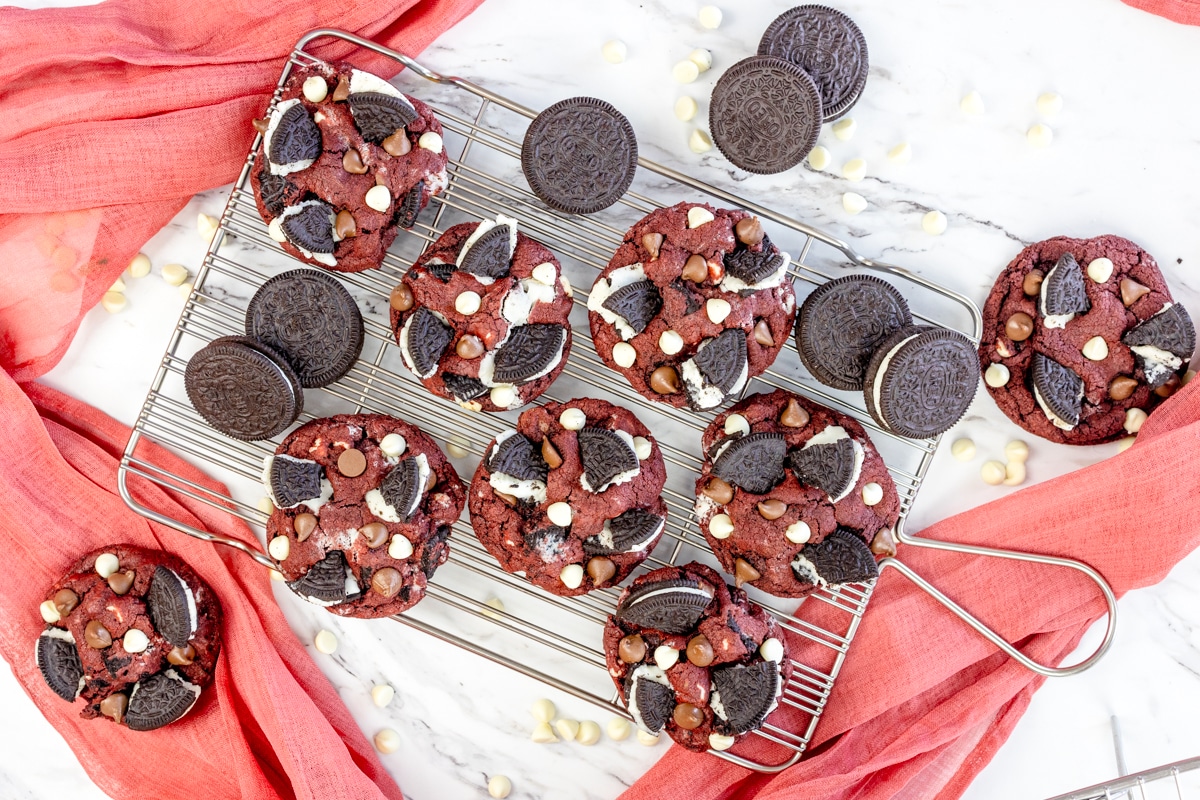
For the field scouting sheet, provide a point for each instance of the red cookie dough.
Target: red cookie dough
(520, 531)
(350, 523)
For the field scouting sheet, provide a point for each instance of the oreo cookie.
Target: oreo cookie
(294, 480)
(58, 661)
(547, 542)
(921, 380)
(1162, 343)
(1063, 294)
(765, 114)
(841, 557)
(649, 698)
(743, 695)
(160, 700)
(530, 352)
(295, 142)
(753, 462)
(671, 606)
(607, 457)
(377, 115)
(579, 155)
(634, 530)
(243, 388)
(637, 303)
(488, 252)
(518, 458)
(325, 581)
(423, 340)
(826, 44)
(1058, 390)
(843, 322)
(309, 226)
(751, 266)
(441, 271)
(831, 461)
(464, 387)
(403, 487)
(274, 191)
(311, 319)
(722, 366)
(171, 606)
(411, 206)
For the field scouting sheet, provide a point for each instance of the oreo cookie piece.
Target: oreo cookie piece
(650, 698)
(325, 581)
(243, 388)
(423, 340)
(765, 114)
(744, 694)
(160, 700)
(441, 271)
(530, 352)
(841, 557)
(273, 191)
(630, 532)
(464, 387)
(826, 44)
(1063, 294)
(294, 142)
(843, 322)
(579, 155)
(311, 319)
(718, 369)
(378, 115)
(58, 661)
(309, 226)
(403, 486)
(753, 266)
(294, 480)
(753, 462)
(1058, 390)
(831, 461)
(488, 251)
(921, 380)
(411, 206)
(637, 303)
(672, 606)
(516, 456)
(1162, 343)
(172, 606)
(608, 458)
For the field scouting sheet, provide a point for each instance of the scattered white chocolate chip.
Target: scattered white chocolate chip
(496, 604)
(543, 710)
(543, 733)
(736, 424)
(571, 576)
(872, 494)
(572, 419)
(717, 309)
(502, 396)
(934, 223)
(1187, 377)
(1125, 443)
(49, 611)
(1095, 349)
(325, 642)
(589, 733)
(106, 564)
(1014, 473)
(266, 505)
(315, 89)
(430, 141)
(1100, 269)
(1134, 417)
(670, 342)
(901, 153)
(721, 526)
(962, 449)
(113, 302)
(275, 230)
(844, 129)
(560, 513)
(400, 547)
(646, 738)
(855, 169)
(700, 141)
(279, 547)
(387, 741)
(379, 198)
(665, 657)
(685, 71)
(614, 51)
(619, 729)
(185, 290)
(1016, 450)
(118, 286)
(566, 285)
(993, 473)
(710, 17)
(174, 274)
(854, 203)
(623, 354)
(568, 729)
(1040, 135)
(382, 694)
(393, 445)
(972, 103)
(772, 650)
(468, 302)
(206, 226)
(798, 532)
(545, 273)
(277, 576)
(685, 109)
(996, 375)
(135, 641)
(139, 267)
(642, 448)
(701, 58)
(499, 787)
(1049, 104)
(719, 741)
(819, 158)
(699, 215)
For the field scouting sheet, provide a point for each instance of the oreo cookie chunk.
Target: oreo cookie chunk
(841, 324)
(342, 167)
(133, 632)
(765, 114)
(695, 658)
(920, 381)
(364, 504)
(311, 319)
(782, 476)
(695, 302)
(826, 44)
(572, 497)
(243, 388)
(1080, 336)
(482, 317)
(579, 155)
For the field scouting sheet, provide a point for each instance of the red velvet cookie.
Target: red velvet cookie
(346, 158)
(364, 506)
(572, 497)
(482, 317)
(1081, 339)
(134, 632)
(695, 302)
(693, 656)
(791, 494)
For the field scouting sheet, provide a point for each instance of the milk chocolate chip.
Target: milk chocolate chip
(664, 380)
(97, 636)
(653, 243)
(114, 707)
(695, 269)
(1122, 387)
(794, 416)
(352, 162)
(632, 649)
(718, 490)
(65, 601)
(398, 143)
(342, 91)
(402, 297)
(182, 656)
(304, 525)
(772, 509)
(376, 534)
(344, 226)
(1019, 326)
(1033, 282)
(1132, 291)
(688, 716)
(601, 570)
(744, 572)
(700, 651)
(121, 582)
(352, 463)
(469, 347)
(884, 544)
(550, 455)
(260, 125)
(387, 581)
(762, 334)
(749, 231)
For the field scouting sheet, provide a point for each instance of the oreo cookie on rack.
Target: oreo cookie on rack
(482, 316)
(920, 381)
(572, 497)
(826, 44)
(133, 632)
(243, 388)
(792, 495)
(694, 303)
(579, 155)
(695, 658)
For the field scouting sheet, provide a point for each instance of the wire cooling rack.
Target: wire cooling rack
(555, 640)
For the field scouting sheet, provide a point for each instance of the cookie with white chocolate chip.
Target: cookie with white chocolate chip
(346, 159)
(695, 658)
(364, 505)
(133, 632)
(792, 494)
(482, 316)
(695, 302)
(1082, 339)
(572, 497)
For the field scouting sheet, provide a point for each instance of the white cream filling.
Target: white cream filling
(534, 490)
(605, 287)
(877, 384)
(703, 507)
(644, 672)
(436, 183)
(520, 300)
(366, 82)
(731, 284)
(1050, 415)
(620, 477)
(272, 124)
(702, 393)
(193, 616)
(404, 351)
(381, 508)
(321, 258)
(479, 232)
(830, 435)
(696, 590)
(805, 570)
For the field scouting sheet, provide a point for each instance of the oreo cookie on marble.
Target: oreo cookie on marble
(843, 322)
(672, 606)
(608, 458)
(744, 694)
(530, 352)
(636, 529)
(1058, 390)
(921, 380)
(377, 115)
(243, 388)
(160, 700)
(310, 226)
(841, 557)
(1162, 343)
(753, 462)
(310, 318)
(826, 44)
(579, 155)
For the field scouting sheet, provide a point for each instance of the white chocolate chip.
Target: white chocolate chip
(278, 576)
(699, 215)
(174, 274)
(1016, 450)
(685, 71)
(382, 694)
(566, 285)
(700, 141)
(721, 526)
(972, 103)
(996, 375)
(1014, 473)
(1040, 135)
(379, 198)
(185, 290)
(315, 89)
(493, 603)
(1134, 417)
(1095, 349)
(572, 419)
(710, 17)
(545, 273)
(934, 223)
(1100, 269)
(719, 741)
(118, 286)
(499, 787)
(589, 733)
(571, 576)
(106, 564)
(619, 729)
(819, 158)
(701, 58)
(854, 203)
(624, 355)
(1125, 443)
(1049, 104)
(736, 424)
(393, 445)
(387, 741)
(772, 650)
(135, 641)
(901, 153)
(113, 302)
(1187, 377)
(614, 51)
(206, 226)
(325, 642)
(993, 473)
(266, 505)
(962, 449)
(717, 309)
(798, 532)
(665, 657)
(275, 230)
(844, 129)
(560, 514)
(543, 710)
(279, 548)
(646, 738)
(685, 109)
(467, 303)
(139, 267)
(670, 342)
(430, 141)
(568, 729)
(502, 396)
(400, 547)
(872, 494)
(855, 170)
(543, 734)
(49, 611)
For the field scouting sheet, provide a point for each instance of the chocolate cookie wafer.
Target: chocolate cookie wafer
(826, 44)
(243, 388)
(921, 380)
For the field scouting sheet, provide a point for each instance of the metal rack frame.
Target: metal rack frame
(377, 384)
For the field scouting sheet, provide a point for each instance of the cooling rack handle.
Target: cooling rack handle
(989, 634)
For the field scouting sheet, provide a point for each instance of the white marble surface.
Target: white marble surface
(1123, 160)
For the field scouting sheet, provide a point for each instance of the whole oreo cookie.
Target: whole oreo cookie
(311, 319)
(134, 632)
(842, 323)
(243, 388)
(826, 44)
(920, 381)
(765, 114)
(572, 497)
(695, 658)
(579, 155)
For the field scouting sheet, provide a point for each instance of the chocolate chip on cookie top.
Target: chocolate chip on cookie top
(572, 497)
(694, 657)
(791, 495)
(364, 504)
(695, 302)
(134, 632)
(482, 317)
(1081, 339)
